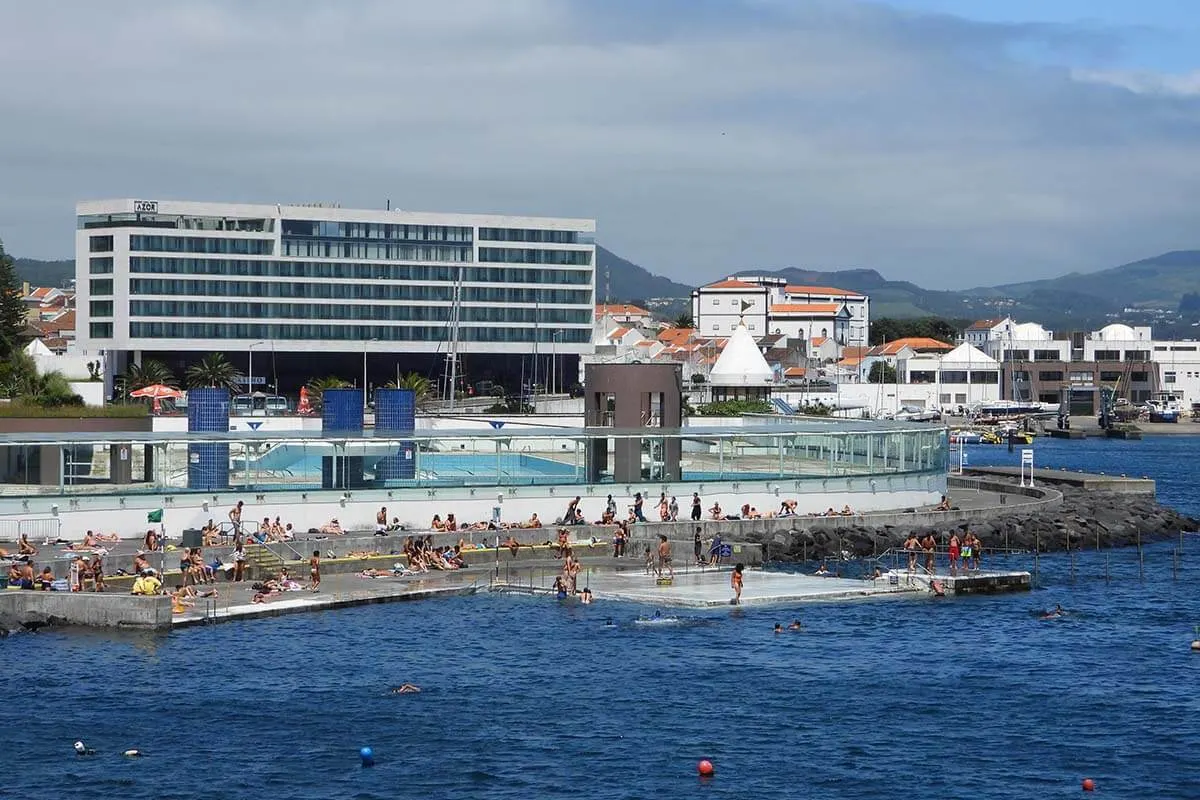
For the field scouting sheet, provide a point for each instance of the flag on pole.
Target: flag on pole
(154, 516)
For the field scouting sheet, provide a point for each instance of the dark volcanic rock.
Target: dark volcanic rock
(1084, 520)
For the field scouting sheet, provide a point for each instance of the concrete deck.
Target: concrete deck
(710, 589)
(1082, 480)
(337, 591)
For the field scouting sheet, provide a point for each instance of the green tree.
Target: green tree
(684, 320)
(214, 370)
(735, 408)
(881, 372)
(888, 329)
(21, 383)
(12, 308)
(317, 386)
(148, 373)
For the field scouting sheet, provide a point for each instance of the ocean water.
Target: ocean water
(525, 698)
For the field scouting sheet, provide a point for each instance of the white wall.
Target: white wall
(415, 507)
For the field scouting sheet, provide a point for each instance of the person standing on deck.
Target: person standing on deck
(235, 518)
(673, 509)
(954, 552)
(929, 545)
(735, 582)
(637, 508)
(910, 546)
(664, 557)
(697, 507)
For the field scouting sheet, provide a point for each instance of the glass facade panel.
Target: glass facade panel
(100, 265)
(352, 291)
(811, 462)
(528, 235)
(100, 244)
(100, 330)
(200, 244)
(100, 287)
(352, 333)
(169, 265)
(525, 255)
(100, 308)
(363, 311)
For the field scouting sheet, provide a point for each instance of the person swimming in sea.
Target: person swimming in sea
(1054, 613)
(406, 688)
(794, 625)
(778, 628)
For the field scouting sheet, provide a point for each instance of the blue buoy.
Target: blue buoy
(368, 756)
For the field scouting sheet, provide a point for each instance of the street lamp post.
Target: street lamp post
(364, 384)
(250, 367)
(555, 377)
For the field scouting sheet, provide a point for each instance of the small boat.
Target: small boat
(965, 436)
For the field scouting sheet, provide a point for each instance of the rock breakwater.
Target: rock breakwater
(1084, 519)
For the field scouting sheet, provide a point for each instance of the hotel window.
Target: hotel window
(1168, 377)
(100, 244)
(1108, 355)
(101, 330)
(101, 286)
(101, 308)
(1045, 355)
(102, 265)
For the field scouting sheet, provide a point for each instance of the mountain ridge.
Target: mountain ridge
(1146, 291)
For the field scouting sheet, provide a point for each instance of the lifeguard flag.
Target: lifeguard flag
(154, 516)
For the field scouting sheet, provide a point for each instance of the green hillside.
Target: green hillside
(45, 273)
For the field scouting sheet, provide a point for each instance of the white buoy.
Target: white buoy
(132, 753)
(1196, 645)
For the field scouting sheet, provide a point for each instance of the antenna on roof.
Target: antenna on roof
(607, 284)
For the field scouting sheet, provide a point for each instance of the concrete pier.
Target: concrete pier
(104, 610)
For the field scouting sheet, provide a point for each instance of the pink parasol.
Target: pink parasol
(157, 392)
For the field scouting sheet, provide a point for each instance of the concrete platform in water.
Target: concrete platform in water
(711, 589)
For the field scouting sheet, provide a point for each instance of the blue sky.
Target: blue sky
(1155, 34)
(952, 144)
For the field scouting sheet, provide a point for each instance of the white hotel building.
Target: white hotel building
(168, 277)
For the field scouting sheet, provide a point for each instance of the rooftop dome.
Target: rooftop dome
(741, 363)
(1117, 333)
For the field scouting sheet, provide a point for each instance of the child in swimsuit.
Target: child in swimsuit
(735, 581)
(314, 570)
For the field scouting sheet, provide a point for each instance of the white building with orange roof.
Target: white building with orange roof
(808, 321)
(857, 305)
(719, 307)
(625, 313)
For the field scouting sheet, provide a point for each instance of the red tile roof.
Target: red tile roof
(821, 290)
(918, 343)
(732, 283)
(624, 309)
(817, 341)
(619, 332)
(794, 372)
(805, 308)
(985, 324)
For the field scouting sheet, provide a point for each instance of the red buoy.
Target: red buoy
(1089, 785)
(705, 768)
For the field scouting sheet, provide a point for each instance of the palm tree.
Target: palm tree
(317, 386)
(422, 387)
(684, 321)
(148, 373)
(214, 371)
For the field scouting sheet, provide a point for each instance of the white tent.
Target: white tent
(741, 363)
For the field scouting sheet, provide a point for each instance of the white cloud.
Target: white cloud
(739, 134)
(1185, 84)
